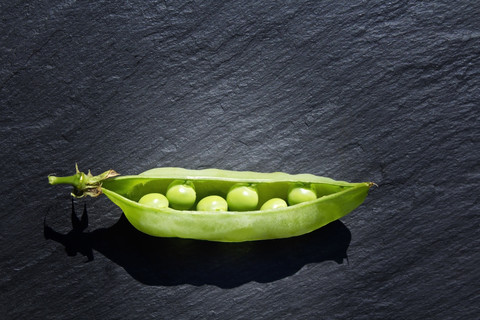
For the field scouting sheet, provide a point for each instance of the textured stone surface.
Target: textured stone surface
(358, 91)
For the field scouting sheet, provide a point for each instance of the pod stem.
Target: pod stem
(84, 184)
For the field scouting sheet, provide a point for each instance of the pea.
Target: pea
(299, 193)
(155, 200)
(242, 197)
(274, 203)
(181, 194)
(212, 203)
(225, 226)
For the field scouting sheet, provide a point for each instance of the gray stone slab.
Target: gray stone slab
(359, 91)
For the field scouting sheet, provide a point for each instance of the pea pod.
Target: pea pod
(335, 200)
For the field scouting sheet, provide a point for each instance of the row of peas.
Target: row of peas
(181, 195)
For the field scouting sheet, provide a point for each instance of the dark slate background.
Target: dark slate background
(353, 90)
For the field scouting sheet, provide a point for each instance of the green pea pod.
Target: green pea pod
(335, 200)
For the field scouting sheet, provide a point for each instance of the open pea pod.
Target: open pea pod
(335, 200)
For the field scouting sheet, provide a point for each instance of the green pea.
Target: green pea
(274, 203)
(299, 193)
(181, 194)
(212, 203)
(242, 197)
(226, 226)
(155, 200)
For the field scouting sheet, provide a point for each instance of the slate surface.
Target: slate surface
(353, 90)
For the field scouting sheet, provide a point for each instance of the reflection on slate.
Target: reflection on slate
(172, 261)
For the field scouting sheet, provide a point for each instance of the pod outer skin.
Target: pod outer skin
(231, 226)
